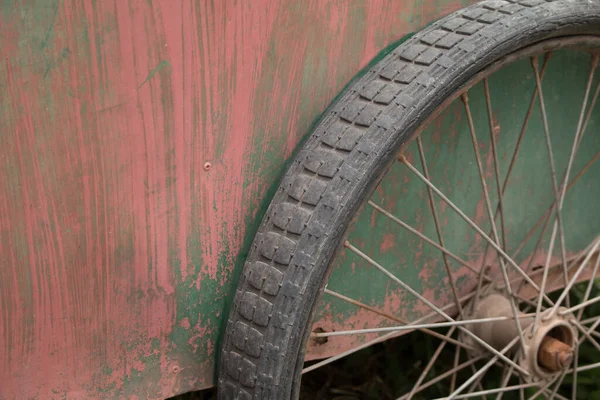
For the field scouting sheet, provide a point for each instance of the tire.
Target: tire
(338, 167)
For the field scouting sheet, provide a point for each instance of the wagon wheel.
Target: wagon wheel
(451, 189)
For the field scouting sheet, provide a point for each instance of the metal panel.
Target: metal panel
(118, 243)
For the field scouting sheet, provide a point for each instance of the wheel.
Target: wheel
(426, 198)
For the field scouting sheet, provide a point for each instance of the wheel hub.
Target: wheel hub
(547, 347)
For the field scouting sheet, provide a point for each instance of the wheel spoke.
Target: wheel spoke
(577, 141)
(560, 196)
(515, 151)
(470, 222)
(410, 327)
(581, 305)
(520, 139)
(430, 364)
(525, 301)
(590, 284)
(547, 386)
(586, 334)
(547, 391)
(444, 375)
(536, 249)
(423, 237)
(579, 131)
(557, 386)
(431, 305)
(538, 306)
(507, 286)
(378, 339)
(508, 370)
(348, 352)
(590, 320)
(456, 360)
(565, 292)
(558, 226)
(365, 306)
(438, 229)
(576, 361)
(394, 318)
(483, 369)
(545, 218)
(500, 208)
(446, 264)
(592, 329)
(494, 391)
(477, 383)
(575, 262)
(575, 370)
(541, 390)
(585, 368)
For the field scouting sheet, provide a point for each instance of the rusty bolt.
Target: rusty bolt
(554, 355)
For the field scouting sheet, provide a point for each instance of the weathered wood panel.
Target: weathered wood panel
(118, 247)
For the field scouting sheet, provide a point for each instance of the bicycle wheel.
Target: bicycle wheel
(449, 190)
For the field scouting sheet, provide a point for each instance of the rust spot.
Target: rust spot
(389, 241)
(319, 340)
(554, 355)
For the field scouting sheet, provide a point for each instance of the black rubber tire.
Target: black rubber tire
(338, 166)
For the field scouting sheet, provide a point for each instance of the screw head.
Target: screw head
(207, 166)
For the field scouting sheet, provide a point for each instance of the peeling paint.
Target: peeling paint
(119, 252)
(113, 109)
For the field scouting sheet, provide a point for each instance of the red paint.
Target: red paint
(108, 218)
(389, 241)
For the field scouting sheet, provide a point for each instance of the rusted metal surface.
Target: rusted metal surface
(554, 354)
(138, 144)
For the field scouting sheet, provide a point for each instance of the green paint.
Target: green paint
(51, 27)
(201, 308)
(160, 65)
(7, 10)
(147, 376)
(85, 34)
(52, 64)
(252, 221)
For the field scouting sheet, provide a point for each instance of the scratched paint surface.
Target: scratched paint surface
(452, 166)
(118, 251)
